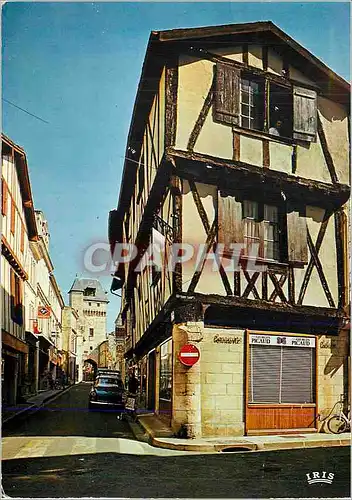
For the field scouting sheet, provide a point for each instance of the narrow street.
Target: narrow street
(66, 451)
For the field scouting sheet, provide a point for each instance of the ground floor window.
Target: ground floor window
(165, 377)
(281, 369)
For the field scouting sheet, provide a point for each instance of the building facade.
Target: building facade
(89, 299)
(70, 328)
(238, 152)
(29, 339)
(18, 229)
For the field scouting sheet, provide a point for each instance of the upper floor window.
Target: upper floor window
(16, 298)
(251, 104)
(91, 332)
(255, 102)
(89, 292)
(261, 227)
(268, 228)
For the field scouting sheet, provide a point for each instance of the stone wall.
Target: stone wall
(208, 397)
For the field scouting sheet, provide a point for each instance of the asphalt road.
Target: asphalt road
(66, 451)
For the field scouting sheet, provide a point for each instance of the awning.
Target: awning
(31, 339)
(44, 342)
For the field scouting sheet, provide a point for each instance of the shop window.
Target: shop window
(280, 373)
(16, 298)
(165, 376)
(255, 102)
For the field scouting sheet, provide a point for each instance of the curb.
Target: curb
(243, 445)
(33, 408)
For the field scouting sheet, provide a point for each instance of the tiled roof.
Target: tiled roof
(79, 285)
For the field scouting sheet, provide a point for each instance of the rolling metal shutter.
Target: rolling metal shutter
(281, 374)
(264, 374)
(297, 375)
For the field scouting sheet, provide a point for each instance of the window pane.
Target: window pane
(269, 232)
(245, 110)
(244, 122)
(245, 98)
(250, 209)
(268, 250)
(270, 213)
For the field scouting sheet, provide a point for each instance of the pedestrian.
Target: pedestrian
(63, 379)
(133, 383)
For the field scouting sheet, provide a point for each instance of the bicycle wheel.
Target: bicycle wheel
(337, 424)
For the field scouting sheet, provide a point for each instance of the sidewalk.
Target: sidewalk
(8, 413)
(161, 436)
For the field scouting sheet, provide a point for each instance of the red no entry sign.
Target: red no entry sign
(189, 355)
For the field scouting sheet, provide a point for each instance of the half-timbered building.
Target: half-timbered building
(238, 152)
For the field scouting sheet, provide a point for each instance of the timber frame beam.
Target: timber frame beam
(264, 305)
(223, 173)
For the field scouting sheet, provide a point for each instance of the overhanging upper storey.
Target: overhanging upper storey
(245, 97)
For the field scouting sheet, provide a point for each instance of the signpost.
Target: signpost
(44, 312)
(189, 355)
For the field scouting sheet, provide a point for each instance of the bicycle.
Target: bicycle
(339, 422)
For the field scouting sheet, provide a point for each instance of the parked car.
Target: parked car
(107, 391)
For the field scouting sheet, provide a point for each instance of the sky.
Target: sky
(76, 67)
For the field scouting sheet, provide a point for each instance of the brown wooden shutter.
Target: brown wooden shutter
(12, 292)
(4, 195)
(227, 94)
(297, 237)
(230, 225)
(304, 114)
(13, 216)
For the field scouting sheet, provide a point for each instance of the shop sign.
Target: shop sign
(281, 340)
(189, 355)
(44, 312)
(218, 339)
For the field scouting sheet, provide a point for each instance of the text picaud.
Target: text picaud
(282, 340)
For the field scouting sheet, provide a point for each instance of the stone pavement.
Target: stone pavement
(8, 413)
(159, 435)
